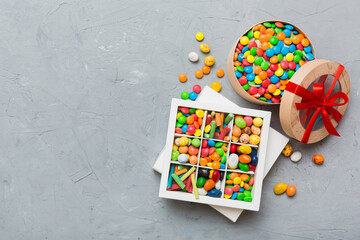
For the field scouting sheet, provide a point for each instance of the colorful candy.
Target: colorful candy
(182, 78)
(220, 73)
(204, 48)
(287, 150)
(213, 154)
(280, 188)
(318, 159)
(206, 69)
(238, 186)
(267, 57)
(291, 190)
(197, 89)
(209, 61)
(247, 130)
(199, 74)
(189, 121)
(216, 86)
(199, 36)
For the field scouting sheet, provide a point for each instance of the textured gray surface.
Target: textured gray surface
(85, 88)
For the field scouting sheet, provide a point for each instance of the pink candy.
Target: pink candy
(197, 88)
(248, 120)
(228, 191)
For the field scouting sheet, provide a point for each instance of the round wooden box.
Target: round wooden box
(231, 73)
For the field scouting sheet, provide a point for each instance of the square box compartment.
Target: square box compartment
(223, 199)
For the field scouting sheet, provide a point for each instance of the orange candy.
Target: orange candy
(274, 59)
(281, 36)
(301, 63)
(267, 96)
(236, 63)
(272, 88)
(269, 31)
(215, 156)
(265, 46)
(220, 73)
(244, 177)
(203, 162)
(257, 69)
(305, 42)
(236, 56)
(263, 38)
(246, 186)
(183, 149)
(233, 175)
(287, 41)
(198, 74)
(262, 75)
(215, 165)
(193, 150)
(236, 131)
(190, 120)
(206, 69)
(291, 190)
(182, 78)
(318, 159)
(193, 160)
(209, 184)
(262, 29)
(243, 158)
(296, 39)
(229, 182)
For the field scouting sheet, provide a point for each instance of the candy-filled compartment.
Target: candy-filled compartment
(185, 150)
(189, 121)
(247, 130)
(213, 154)
(238, 186)
(180, 178)
(218, 125)
(242, 158)
(210, 182)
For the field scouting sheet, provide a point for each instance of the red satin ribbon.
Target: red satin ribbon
(320, 102)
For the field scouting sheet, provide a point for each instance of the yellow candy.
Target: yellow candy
(289, 57)
(287, 150)
(250, 59)
(277, 92)
(199, 36)
(256, 34)
(175, 148)
(183, 141)
(242, 184)
(280, 188)
(246, 54)
(244, 149)
(254, 139)
(227, 196)
(197, 133)
(209, 164)
(279, 72)
(211, 173)
(244, 40)
(178, 115)
(216, 86)
(200, 113)
(257, 80)
(207, 128)
(209, 61)
(258, 122)
(237, 180)
(204, 48)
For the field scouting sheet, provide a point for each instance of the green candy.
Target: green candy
(252, 83)
(298, 52)
(200, 182)
(247, 193)
(189, 143)
(267, 24)
(206, 135)
(297, 59)
(258, 61)
(240, 69)
(273, 25)
(175, 155)
(243, 166)
(250, 188)
(277, 30)
(185, 95)
(223, 159)
(192, 110)
(253, 51)
(228, 176)
(290, 73)
(196, 142)
(240, 122)
(179, 125)
(228, 186)
(250, 34)
(274, 40)
(240, 196)
(218, 144)
(220, 151)
(247, 199)
(246, 86)
(280, 56)
(182, 119)
(212, 130)
(262, 99)
(265, 66)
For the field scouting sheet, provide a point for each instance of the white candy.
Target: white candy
(233, 160)
(296, 156)
(202, 191)
(218, 185)
(193, 57)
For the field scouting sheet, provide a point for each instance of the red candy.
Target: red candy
(197, 88)
(252, 44)
(292, 65)
(284, 64)
(216, 176)
(274, 67)
(265, 83)
(253, 90)
(261, 90)
(233, 148)
(242, 80)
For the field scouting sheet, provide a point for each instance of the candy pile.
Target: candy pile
(267, 57)
(213, 154)
(242, 157)
(217, 126)
(238, 186)
(185, 150)
(189, 121)
(247, 130)
(280, 188)
(209, 182)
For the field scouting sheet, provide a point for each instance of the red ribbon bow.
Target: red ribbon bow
(324, 105)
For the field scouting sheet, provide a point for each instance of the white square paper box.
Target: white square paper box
(276, 143)
(254, 205)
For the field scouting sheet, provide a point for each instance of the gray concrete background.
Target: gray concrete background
(85, 89)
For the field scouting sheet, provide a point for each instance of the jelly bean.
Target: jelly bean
(243, 158)
(287, 150)
(244, 167)
(218, 185)
(202, 192)
(240, 122)
(244, 149)
(209, 184)
(209, 61)
(280, 188)
(291, 190)
(216, 176)
(318, 159)
(200, 182)
(254, 160)
(233, 160)
(204, 48)
(254, 139)
(214, 193)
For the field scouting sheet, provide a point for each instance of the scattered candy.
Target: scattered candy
(318, 159)
(198, 74)
(199, 36)
(291, 190)
(193, 57)
(206, 69)
(182, 78)
(197, 88)
(267, 57)
(204, 48)
(216, 86)
(296, 156)
(287, 150)
(280, 188)
(220, 73)
(209, 61)
(184, 95)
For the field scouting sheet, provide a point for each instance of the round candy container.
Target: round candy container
(264, 59)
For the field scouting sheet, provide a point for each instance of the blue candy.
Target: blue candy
(234, 195)
(248, 69)
(297, 67)
(253, 152)
(245, 49)
(307, 49)
(269, 52)
(187, 114)
(193, 96)
(280, 44)
(254, 160)
(309, 56)
(241, 189)
(184, 128)
(284, 76)
(238, 74)
(222, 166)
(295, 32)
(287, 32)
(292, 48)
(250, 76)
(211, 143)
(289, 27)
(274, 79)
(214, 193)
(276, 49)
(284, 51)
